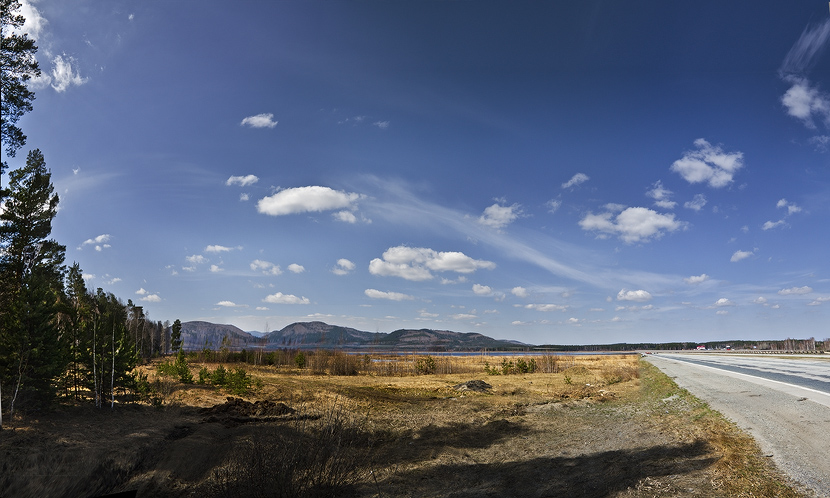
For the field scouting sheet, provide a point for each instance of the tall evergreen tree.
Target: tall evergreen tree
(32, 349)
(17, 66)
(176, 336)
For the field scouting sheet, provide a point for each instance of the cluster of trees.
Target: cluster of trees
(56, 336)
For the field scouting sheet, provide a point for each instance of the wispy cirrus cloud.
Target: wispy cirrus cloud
(391, 296)
(803, 100)
(575, 180)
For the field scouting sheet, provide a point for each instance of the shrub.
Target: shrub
(425, 365)
(300, 359)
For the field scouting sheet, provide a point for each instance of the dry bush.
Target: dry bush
(315, 455)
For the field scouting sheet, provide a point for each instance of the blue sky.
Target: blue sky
(557, 172)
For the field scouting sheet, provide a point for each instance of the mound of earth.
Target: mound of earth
(478, 386)
(236, 411)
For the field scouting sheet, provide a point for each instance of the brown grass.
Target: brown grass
(580, 426)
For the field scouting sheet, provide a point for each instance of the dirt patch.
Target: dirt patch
(237, 411)
(478, 386)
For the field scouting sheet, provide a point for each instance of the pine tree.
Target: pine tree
(32, 347)
(176, 336)
(17, 65)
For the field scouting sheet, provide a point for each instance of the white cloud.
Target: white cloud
(417, 263)
(482, 290)
(392, 296)
(724, 302)
(769, 225)
(280, 298)
(231, 304)
(739, 255)
(722, 312)
(196, 259)
(634, 224)
(795, 291)
(697, 202)
(576, 180)
(264, 120)
(218, 248)
(141, 292)
(519, 292)
(818, 301)
(63, 74)
(343, 267)
(661, 196)
(696, 279)
(791, 208)
(295, 268)
(34, 23)
(634, 295)
(266, 267)
(760, 300)
(497, 216)
(803, 102)
(151, 298)
(262, 308)
(381, 124)
(821, 142)
(244, 197)
(546, 307)
(100, 242)
(553, 205)
(708, 164)
(804, 52)
(305, 200)
(242, 181)
(463, 316)
(345, 216)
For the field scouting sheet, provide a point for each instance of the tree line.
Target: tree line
(57, 338)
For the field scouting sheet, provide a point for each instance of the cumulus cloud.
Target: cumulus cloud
(803, 101)
(639, 296)
(418, 263)
(769, 225)
(696, 279)
(295, 268)
(392, 296)
(498, 216)
(381, 124)
(264, 120)
(553, 205)
(791, 208)
(634, 224)
(218, 248)
(343, 267)
(345, 216)
(99, 242)
(724, 302)
(306, 200)
(818, 301)
(242, 181)
(482, 290)
(740, 255)
(231, 304)
(215, 269)
(280, 298)
(266, 267)
(708, 164)
(575, 180)
(34, 24)
(519, 292)
(696, 203)
(661, 196)
(795, 291)
(196, 259)
(64, 75)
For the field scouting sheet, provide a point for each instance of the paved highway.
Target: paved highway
(783, 402)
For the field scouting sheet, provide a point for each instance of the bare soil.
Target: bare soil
(604, 428)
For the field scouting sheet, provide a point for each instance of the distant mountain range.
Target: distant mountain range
(198, 335)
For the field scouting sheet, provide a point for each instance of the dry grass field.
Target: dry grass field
(594, 426)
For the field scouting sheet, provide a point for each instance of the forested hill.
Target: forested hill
(197, 335)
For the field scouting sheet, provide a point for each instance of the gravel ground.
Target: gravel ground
(791, 424)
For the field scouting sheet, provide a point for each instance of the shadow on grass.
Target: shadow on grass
(597, 475)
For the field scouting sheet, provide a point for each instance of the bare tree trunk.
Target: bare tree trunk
(95, 362)
(112, 378)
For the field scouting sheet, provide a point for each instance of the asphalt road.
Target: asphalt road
(784, 403)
